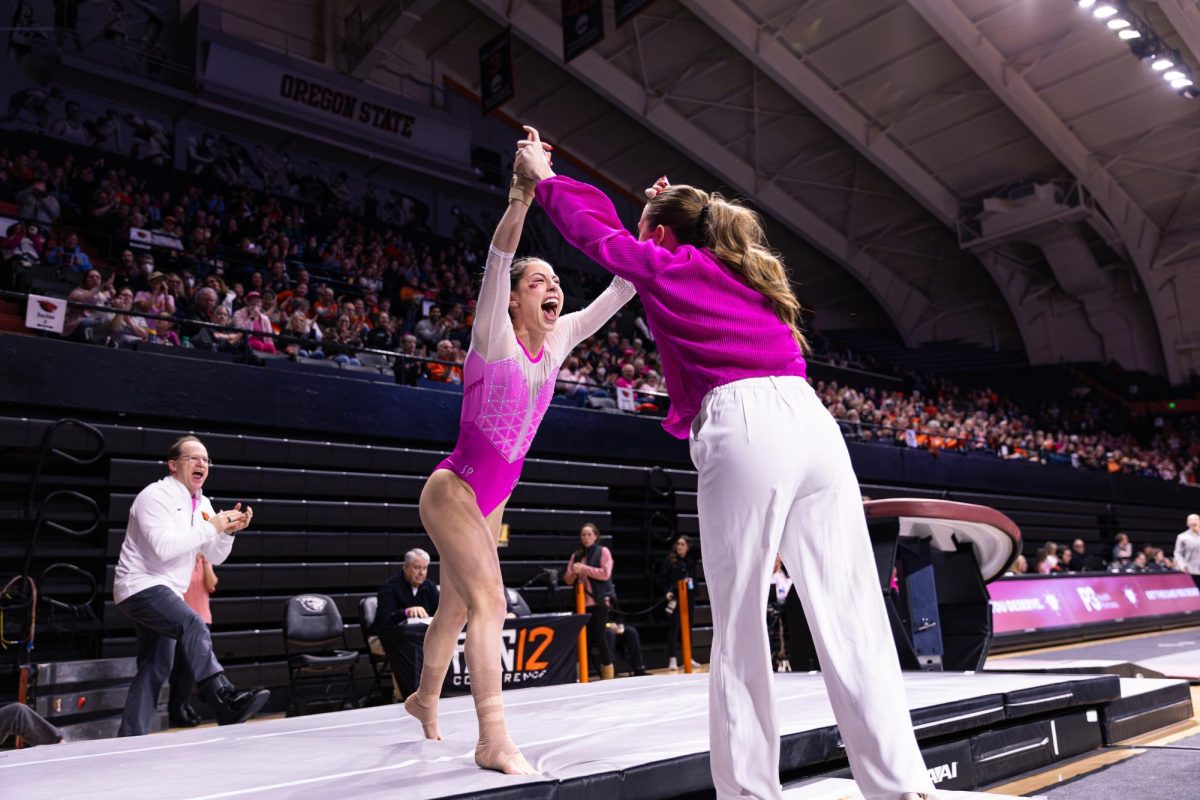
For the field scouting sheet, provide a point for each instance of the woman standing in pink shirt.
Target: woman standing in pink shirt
(774, 476)
(592, 563)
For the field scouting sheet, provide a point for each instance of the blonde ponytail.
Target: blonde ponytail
(735, 236)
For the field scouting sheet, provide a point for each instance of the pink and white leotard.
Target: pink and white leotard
(507, 390)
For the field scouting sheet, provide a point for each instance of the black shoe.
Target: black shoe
(230, 705)
(183, 717)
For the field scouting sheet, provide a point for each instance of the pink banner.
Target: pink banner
(1028, 604)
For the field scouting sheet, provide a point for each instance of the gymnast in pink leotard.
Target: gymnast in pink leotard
(518, 343)
(507, 388)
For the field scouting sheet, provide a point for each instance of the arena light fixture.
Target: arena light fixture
(1145, 43)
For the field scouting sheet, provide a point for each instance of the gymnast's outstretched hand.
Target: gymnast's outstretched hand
(533, 157)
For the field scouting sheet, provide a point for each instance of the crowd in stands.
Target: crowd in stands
(335, 282)
(1050, 559)
(946, 417)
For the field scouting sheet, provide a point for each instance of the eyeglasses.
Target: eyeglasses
(199, 459)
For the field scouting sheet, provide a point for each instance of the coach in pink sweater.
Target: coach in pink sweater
(774, 476)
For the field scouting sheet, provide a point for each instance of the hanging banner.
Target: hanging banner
(1021, 605)
(628, 9)
(538, 650)
(583, 26)
(495, 71)
(45, 313)
(327, 98)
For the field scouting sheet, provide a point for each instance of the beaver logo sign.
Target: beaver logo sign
(45, 313)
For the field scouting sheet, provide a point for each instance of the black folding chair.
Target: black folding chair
(381, 670)
(311, 623)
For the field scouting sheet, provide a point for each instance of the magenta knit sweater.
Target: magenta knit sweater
(710, 327)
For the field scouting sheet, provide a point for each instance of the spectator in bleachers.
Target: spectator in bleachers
(225, 341)
(1139, 564)
(572, 382)
(678, 565)
(409, 367)
(201, 309)
(171, 521)
(382, 335)
(1064, 562)
(124, 327)
(409, 594)
(342, 342)
(1159, 562)
(1187, 549)
(431, 329)
(95, 291)
(35, 202)
(444, 370)
(291, 300)
(302, 327)
(69, 255)
(157, 301)
(180, 712)
(1020, 565)
(22, 243)
(592, 563)
(1041, 564)
(179, 295)
(272, 311)
(252, 319)
(1081, 561)
(1052, 556)
(1122, 551)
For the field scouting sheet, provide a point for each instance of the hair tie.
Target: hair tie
(702, 221)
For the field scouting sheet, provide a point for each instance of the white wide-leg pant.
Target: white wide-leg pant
(775, 476)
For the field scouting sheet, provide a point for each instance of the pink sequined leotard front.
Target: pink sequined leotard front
(507, 390)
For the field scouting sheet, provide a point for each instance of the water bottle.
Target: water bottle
(186, 343)
(153, 335)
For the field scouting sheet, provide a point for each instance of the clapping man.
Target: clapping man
(169, 523)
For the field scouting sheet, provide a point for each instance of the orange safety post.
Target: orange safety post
(22, 698)
(581, 608)
(685, 625)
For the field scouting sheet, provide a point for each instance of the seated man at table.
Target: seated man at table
(409, 594)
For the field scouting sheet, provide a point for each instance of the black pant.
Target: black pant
(596, 626)
(21, 720)
(629, 645)
(183, 682)
(675, 633)
(162, 619)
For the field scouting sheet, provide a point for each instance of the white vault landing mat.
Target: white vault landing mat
(567, 732)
